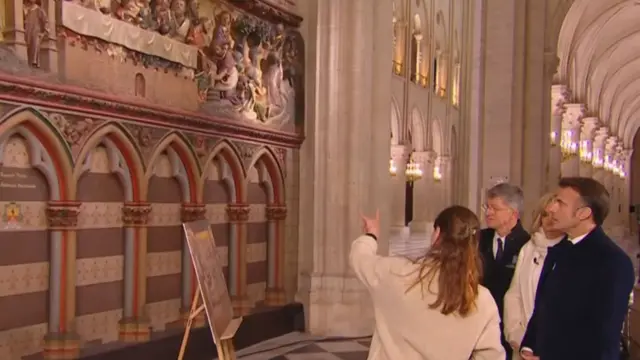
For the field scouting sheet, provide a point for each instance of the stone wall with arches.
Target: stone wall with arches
(96, 207)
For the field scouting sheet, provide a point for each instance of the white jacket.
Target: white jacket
(519, 299)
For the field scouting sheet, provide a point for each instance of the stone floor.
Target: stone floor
(300, 346)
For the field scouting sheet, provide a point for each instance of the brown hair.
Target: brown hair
(592, 193)
(454, 258)
(540, 211)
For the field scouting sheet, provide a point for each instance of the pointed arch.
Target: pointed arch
(395, 122)
(436, 136)
(27, 120)
(266, 156)
(114, 134)
(177, 143)
(418, 130)
(229, 154)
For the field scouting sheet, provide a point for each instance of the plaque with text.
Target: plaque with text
(208, 267)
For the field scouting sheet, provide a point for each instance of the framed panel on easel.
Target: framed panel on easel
(212, 290)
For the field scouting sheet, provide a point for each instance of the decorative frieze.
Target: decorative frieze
(238, 212)
(193, 212)
(62, 215)
(276, 212)
(135, 214)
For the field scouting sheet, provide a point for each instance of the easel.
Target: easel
(224, 344)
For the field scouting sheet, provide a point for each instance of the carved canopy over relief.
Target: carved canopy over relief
(245, 57)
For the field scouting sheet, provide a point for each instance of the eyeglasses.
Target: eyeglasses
(487, 208)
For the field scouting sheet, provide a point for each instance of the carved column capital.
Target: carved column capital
(600, 137)
(276, 212)
(62, 215)
(135, 214)
(425, 158)
(589, 126)
(572, 116)
(193, 212)
(559, 96)
(238, 212)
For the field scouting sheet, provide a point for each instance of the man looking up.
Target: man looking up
(585, 283)
(501, 242)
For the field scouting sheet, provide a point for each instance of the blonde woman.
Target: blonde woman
(519, 299)
(434, 307)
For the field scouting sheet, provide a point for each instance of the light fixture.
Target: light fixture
(586, 155)
(553, 136)
(413, 171)
(393, 170)
(597, 161)
(437, 175)
(568, 147)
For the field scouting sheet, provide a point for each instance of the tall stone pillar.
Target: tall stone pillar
(559, 96)
(134, 326)
(626, 189)
(345, 158)
(444, 185)
(589, 126)
(399, 156)
(61, 342)
(571, 123)
(609, 178)
(276, 216)
(190, 212)
(425, 197)
(238, 215)
(598, 148)
(13, 30)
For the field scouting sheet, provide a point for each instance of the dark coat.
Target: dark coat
(497, 275)
(582, 300)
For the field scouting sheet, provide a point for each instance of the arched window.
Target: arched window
(140, 85)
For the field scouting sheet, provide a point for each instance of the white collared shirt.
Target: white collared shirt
(576, 240)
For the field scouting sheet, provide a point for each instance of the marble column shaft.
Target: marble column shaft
(134, 325)
(238, 215)
(426, 200)
(399, 156)
(276, 216)
(345, 158)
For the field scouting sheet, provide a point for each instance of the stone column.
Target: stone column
(625, 201)
(276, 216)
(425, 197)
(589, 126)
(444, 185)
(609, 177)
(134, 326)
(188, 213)
(571, 122)
(61, 342)
(559, 96)
(418, 58)
(345, 157)
(399, 156)
(238, 215)
(13, 31)
(599, 142)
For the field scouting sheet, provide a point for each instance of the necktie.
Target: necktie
(500, 250)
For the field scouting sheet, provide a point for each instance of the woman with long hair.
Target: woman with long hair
(433, 308)
(519, 299)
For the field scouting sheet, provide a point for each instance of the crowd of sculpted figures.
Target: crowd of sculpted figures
(245, 65)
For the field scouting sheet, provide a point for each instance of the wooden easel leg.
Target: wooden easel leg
(226, 350)
(192, 314)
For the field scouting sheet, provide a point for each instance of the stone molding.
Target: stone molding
(238, 213)
(135, 214)
(193, 212)
(276, 212)
(62, 215)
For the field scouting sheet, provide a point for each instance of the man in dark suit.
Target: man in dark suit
(583, 292)
(501, 242)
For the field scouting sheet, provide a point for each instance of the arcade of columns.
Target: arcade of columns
(583, 146)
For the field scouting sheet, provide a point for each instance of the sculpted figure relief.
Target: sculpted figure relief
(247, 68)
(36, 29)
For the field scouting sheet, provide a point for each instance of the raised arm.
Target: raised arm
(365, 261)
(514, 317)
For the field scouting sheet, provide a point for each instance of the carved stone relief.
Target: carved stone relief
(146, 137)
(246, 151)
(202, 145)
(74, 130)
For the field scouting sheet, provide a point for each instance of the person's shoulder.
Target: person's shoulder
(485, 300)
(610, 253)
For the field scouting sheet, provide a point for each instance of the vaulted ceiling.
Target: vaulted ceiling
(599, 51)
